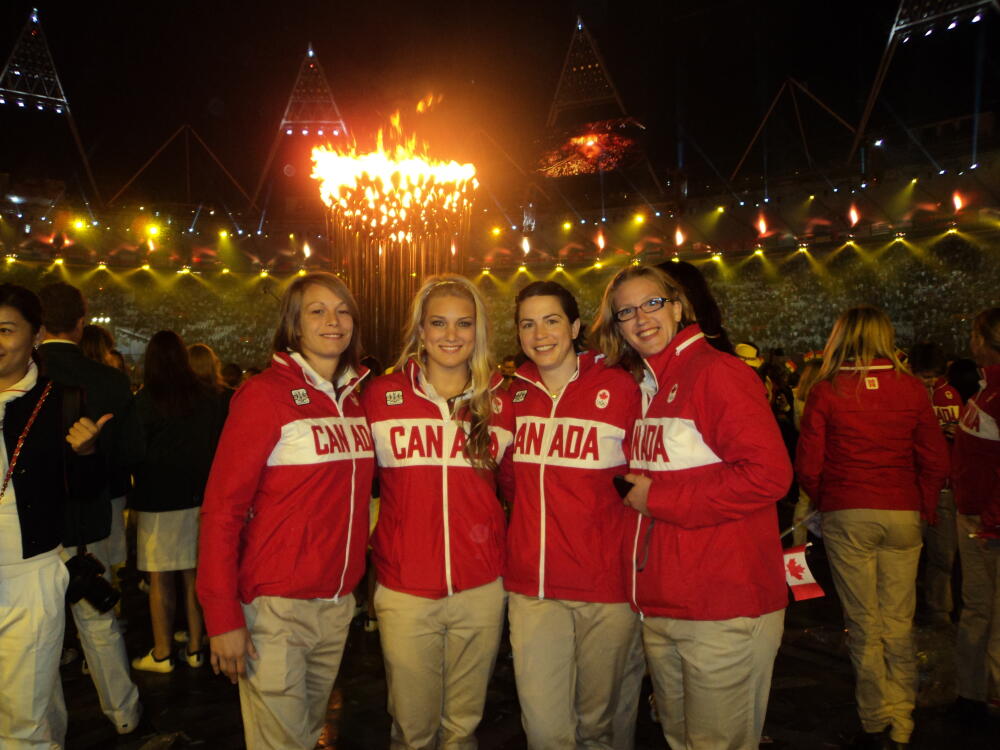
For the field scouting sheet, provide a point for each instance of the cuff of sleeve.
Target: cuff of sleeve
(661, 502)
(222, 615)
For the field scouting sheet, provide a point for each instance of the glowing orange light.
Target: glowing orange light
(762, 225)
(395, 191)
(589, 145)
(854, 216)
(306, 250)
(679, 237)
(957, 201)
(525, 245)
(495, 231)
(79, 224)
(600, 240)
(425, 104)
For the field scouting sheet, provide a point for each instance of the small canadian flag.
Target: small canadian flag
(798, 576)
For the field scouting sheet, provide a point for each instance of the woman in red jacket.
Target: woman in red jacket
(284, 524)
(708, 467)
(976, 481)
(570, 622)
(873, 459)
(440, 427)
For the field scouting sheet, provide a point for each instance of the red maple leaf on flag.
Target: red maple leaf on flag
(795, 569)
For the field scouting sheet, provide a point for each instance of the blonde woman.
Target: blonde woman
(873, 459)
(707, 465)
(440, 426)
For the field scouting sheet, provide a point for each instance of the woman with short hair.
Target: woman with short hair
(872, 459)
(440, 425)
(285, 519)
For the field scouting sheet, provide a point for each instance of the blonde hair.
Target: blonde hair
(480, 404)
(206, 365)
(605, 333)
(808, 378)
(860, 335)
(287, 336)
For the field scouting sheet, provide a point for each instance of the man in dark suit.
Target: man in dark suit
(105, 391)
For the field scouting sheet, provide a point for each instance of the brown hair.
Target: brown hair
(206, 365)
(987, 327)
(605, 332)
(860, 335)
(289, 331)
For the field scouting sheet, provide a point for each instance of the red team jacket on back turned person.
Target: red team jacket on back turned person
(708, 440)
(286, 506)
(440, 528)
(976, 471)
(568, 523)
(947, 403)
(871, 442)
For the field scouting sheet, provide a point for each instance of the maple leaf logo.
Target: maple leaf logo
(795, 570)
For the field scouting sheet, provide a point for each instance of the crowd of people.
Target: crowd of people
(613, 499)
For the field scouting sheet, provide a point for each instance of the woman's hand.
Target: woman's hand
(82, 436)
(229, 652)
(638, 496)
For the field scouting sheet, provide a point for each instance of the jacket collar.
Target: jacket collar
(414, 372)
(585, 361)
(347, 382)
(877, 365)
(656, 366)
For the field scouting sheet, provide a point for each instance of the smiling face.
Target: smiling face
(16, 341)
(546, 333)
(648, 333)
(326, 327)
(448, 331)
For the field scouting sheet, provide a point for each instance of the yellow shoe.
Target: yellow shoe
(150, 663)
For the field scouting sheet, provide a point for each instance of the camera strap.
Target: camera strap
(24, 434)
(72, 410)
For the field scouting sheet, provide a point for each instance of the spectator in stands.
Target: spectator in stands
(873, 459)
(232, 373)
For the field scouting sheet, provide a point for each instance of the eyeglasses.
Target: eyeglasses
(649, 306)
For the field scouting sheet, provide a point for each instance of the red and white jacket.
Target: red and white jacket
(711, 445)
(440, 528)
(947, 403)
(976, 471)
(871, 442)
(568, 523)
(286, 506)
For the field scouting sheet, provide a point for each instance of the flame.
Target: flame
(600, 240)
(762, 225)
(525, 245)
(425, 104)
(854, 215)
(306, 250)
(591, 145)
(679, 237)
(957, 201)
(396, 190)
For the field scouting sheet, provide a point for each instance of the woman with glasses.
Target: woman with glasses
(707, 466)
(873, 459)
(440, 426)
(570, 622)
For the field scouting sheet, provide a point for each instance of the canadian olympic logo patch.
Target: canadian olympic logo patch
(519, 396)
(672, 395)
(871, 384)
(603, 397)
(497, 405)
(300, 396)
(393, 398)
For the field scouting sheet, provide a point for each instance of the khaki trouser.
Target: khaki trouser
(940, 543)
(104, 650)
(627, 710)
(569, 660)
(977, 652)
(873, 557)
(712, 678)
(439, 655)
(32, 623)
(299, 644)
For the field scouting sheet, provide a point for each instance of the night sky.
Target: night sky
(134, 72)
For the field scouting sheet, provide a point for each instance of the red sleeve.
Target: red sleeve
(810, 451)
(930, 454)
(250, 434)
(736, 422)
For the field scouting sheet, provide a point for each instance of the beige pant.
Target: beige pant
(104, 650)
(940, 543)
(712, 678)
(977, 652)
(873, 557)
(627, 710)
(32, 622)
(439, 655)
(569, 660)
(299, 644)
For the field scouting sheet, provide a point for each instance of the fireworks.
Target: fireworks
(397, 215)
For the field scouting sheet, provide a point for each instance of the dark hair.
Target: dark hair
(286, 337)
(963, 376)
(96, 343)
(25, 302)
(706, 309)
(566, 300)
(987, 325)
(927, 357)
(167, 375)
(62, 307)
(231, 374)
